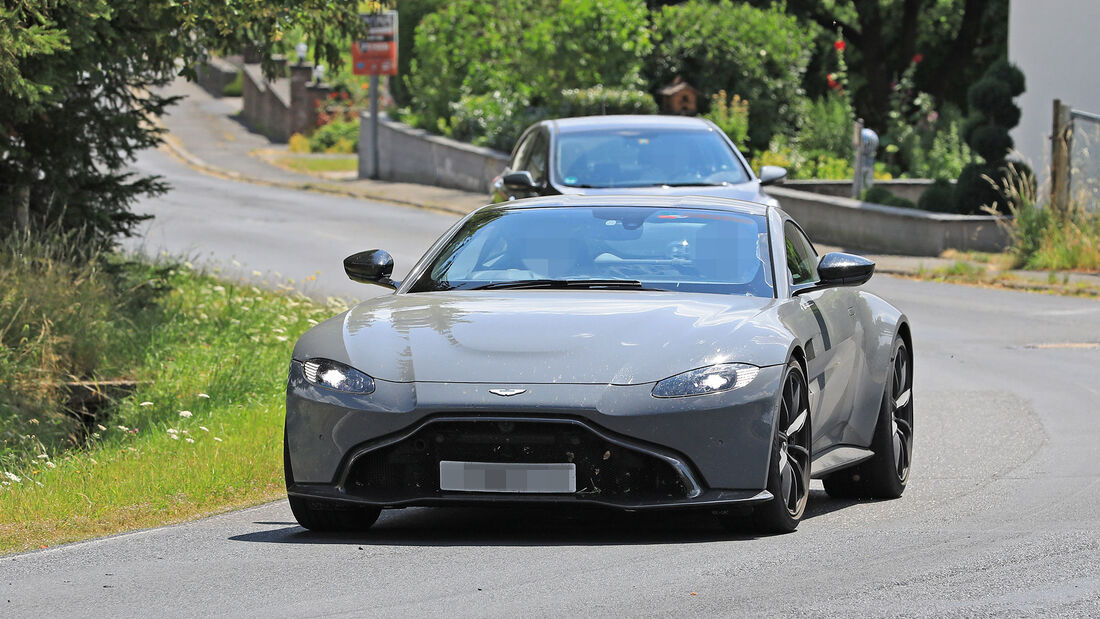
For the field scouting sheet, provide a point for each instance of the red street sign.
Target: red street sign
(377, 55)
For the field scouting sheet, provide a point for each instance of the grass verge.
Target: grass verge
(201, 433)
(315, 165)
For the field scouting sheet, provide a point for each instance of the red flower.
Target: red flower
(839, 45)
(917, 58)
(332, 95)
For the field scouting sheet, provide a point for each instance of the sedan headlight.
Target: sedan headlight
(337, 376)
(712, 379)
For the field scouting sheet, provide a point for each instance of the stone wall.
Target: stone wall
(908, 188)
(282, 107)
(215, 74)
(887, 229)
(416, 156)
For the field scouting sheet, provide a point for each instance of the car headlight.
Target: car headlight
(337, 376)
(711, 379)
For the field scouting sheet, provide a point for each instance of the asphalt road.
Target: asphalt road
(1002, 514)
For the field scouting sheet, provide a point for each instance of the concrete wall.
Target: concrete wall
(1055, 44)
(416, 156)
(908, 188)
(215, 74)
(886, 229)
(282, 107)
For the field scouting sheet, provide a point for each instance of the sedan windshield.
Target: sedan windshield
(621, 248)
(646, 158)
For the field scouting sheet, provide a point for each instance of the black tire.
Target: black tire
(321, 515)
(885, 475)
(789, 469)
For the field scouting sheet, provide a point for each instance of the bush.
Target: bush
(338, 136)
(876, 194)
(530, 49)
(298, 143)
(992, 114)
(759, 53)
(233, 89)
(731, 115)
(828, 127)
(494, 120)
(598, 100)
(939, 197)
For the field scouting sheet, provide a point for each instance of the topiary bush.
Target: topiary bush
(992, 115)
(939, 197)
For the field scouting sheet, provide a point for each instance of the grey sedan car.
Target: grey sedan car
(622, 155)
(629, 352)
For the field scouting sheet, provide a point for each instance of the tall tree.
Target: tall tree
(79, 84)
(957, 40)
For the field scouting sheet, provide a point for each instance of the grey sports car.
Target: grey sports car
(632, 352)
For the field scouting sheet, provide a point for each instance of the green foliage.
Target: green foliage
(530, 51)
(79, 81)
(338, 136)
(828, 127)
(493, 119)
(878, 194)
(233, 89)
(802, 165)
(760, 53)
(939, 197)
(731, 115)
(598, 100)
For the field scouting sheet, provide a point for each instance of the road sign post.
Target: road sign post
(377, 55)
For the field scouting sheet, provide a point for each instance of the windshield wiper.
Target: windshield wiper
(687, 184)
(631, 284)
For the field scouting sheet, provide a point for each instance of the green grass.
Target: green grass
(201, 433)
(320, 164)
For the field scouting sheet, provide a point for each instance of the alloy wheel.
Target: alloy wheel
(794, 444)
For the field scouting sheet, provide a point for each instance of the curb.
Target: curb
(174, 147)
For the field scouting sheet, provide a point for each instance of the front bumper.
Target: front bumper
(631, 450)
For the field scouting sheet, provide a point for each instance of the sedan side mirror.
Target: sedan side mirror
(772, 174)
(519, 181)
(839, 269)
(371, 267)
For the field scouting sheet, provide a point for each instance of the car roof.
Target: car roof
(670, 202)
(581, 124)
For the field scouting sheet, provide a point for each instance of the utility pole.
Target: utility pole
(1061, 136)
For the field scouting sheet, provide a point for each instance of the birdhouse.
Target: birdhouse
(679, 97)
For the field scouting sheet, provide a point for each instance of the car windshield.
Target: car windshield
(646, 158)
(692, 250)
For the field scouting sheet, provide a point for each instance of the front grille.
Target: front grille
(409, 468)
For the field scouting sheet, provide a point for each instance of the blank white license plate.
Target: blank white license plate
(507, 477)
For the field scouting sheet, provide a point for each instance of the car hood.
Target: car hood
(553, 336)
(742, 191)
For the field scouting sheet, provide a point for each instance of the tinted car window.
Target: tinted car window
(645, 158)
(801, 258)
(523, 152)
(691, 250)
(537, 161)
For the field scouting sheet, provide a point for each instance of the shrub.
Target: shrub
(598, 100)
(494, 119)
(298, 143)
(992, 114)
(759, 53)
(939, 197)
(338, 136)
(731, 115)
(877, 194)
(528, 48)
(233, 89)
(828, 127)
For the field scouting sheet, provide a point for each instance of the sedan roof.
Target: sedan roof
(651, 121)
(670, 202)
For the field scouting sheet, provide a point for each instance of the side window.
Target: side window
(523, 152)
(801, 258)
(539, 155)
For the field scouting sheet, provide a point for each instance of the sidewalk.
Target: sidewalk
(204, 132)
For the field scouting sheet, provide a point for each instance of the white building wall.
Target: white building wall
(1056, 43)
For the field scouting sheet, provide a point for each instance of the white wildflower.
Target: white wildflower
(12, 476)
(146, 404)
(219, 289)
(257, 274)
(236, 264)
(43, 457)
(172, 431)
(93, 461)
(281, 338)
(39, 483)
(204, 396)
(204, 428)
(217, 439)
(189, 440)
(185, 414)
(51, 464)
(123, 428)
(101, 427)
(175, 437)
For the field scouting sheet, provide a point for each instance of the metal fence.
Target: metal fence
(1075, 158)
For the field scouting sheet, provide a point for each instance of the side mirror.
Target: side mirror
(519, 181)
(772, 174)
(839, 269)
(371, 267)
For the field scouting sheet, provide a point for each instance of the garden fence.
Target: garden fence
(1075, 158)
